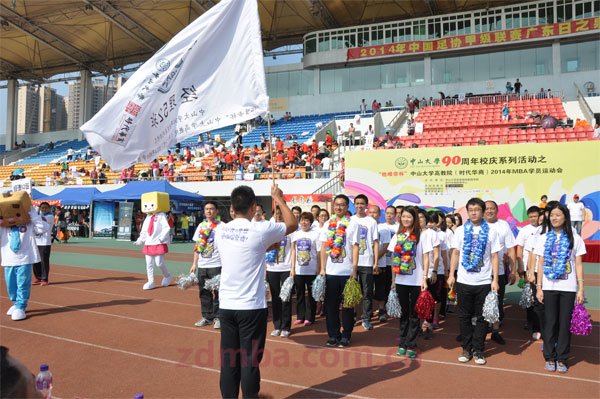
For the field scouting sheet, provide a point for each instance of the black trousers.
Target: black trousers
(502, 281)
(209, 300)
(282, 311)
(334, 288)
(409, 321)
(535, 313)
(243, 334)
(381, 284)
(365, 276)
(41, 269)
(470, 304)
(558, 308)
(306, 306)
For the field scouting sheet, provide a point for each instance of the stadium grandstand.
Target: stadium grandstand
(456, 63)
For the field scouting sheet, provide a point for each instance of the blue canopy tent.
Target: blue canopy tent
(75, 197)
(134, 190)
(38, 195)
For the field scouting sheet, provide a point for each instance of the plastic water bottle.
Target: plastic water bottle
(43, 382)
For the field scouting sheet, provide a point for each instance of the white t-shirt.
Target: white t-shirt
(326, 163)
(342, 265)
(530, 247)
(393, 228)
(385, 236)
(483, 274)
(284, 256)
(525, 235)
(307, 247)
(507, 241)
(443, 238)
(576, 211)
(432, 239)
(567, 282)
(28, 252)
(367, 233)
(414, 276)
(242, 246)
(45, 238)
(210, 257)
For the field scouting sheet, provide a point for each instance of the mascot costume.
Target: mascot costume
(155, 236)
(19, 224)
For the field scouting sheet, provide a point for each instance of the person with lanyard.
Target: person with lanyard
(560, 285)
(380, 280)
(305, 266)
(41, 269)
(437, 224)
(507, 265)
(410, 265)
(525, 236)
(475, 254)
(242, 293)
(430, 239)
(368, 249)
(207, 264)
(278, 270)
(339, 262)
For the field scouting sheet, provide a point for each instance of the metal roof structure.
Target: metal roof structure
(42, 38)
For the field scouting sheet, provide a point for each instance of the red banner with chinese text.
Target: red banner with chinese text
(477, 39)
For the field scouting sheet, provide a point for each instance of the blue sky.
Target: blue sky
(63, 89)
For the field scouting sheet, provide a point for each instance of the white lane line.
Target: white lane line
(288, 342)
(169, 361)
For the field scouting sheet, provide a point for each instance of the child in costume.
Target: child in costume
(155, 236)
(19, 225)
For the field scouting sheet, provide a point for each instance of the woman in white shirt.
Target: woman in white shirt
(306, 264)
(410, 265)
(559, 286)
(278, 270)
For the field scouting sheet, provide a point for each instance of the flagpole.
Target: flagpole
(271, 147)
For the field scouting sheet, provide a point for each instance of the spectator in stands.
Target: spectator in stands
(88, 153)
(549, 93)
(374, 106)
(288, 116)
(170, 157)
(505, 111)
(370, 130)
(518, 86)
(50, 145)
(23, 144)
(271, 119)
(102, 177)
(124, 176)
(411, 108)
(411, 127)
(154, 166)
(509, 88)
(16, 146)
(70, 153)
(291, 157)
(541, 94)
(279, 144)
(363, 107)
(351, 131)
(597, 131)
(326, 167)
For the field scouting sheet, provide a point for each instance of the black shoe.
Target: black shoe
(496, 337)
(344, 342)
(459, 338)
(332, 342)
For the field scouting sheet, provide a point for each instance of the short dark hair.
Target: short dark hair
(242, 197)
(543, 196)
(308, 216)
(493, 202)
(344, 197)
(210, 202)
(423, 212)
(534, 209)
(315, 206)
(476, 201)
(44, 203)
(362, 197)
(297, 208)
(391, 207)
(12, 384)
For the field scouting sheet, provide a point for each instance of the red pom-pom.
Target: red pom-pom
(424, 306)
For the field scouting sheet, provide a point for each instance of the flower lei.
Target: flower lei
(335, 236)
(404, 252)
(472, 257)
(555, 262)
(203, 235)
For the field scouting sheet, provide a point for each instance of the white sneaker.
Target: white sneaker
(217, 324)
(18, 314)
(148, 286)
(166, 281)
(285, 334)
(11, 310)
(275, 333)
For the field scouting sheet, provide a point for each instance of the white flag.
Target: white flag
(210, 75)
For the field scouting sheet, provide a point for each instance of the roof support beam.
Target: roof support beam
(127, 25)
(10, 71)
(43, 36)
(319, 9)
(205, 4)
(433, 8)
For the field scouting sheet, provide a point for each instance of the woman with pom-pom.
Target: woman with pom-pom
(558, 288)
(410, 266)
